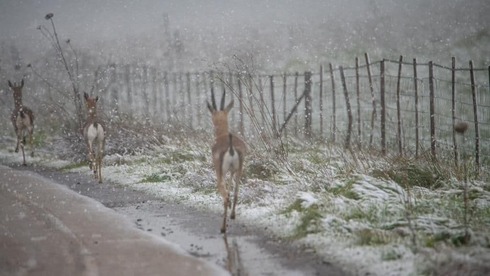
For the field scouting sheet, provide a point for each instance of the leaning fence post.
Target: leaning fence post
(321, 100)
(398, 111)
(240, 96)
(296, 76)
(416, 90)
(308, 109)
(347, 105)
(432, 111)
(373, 99)
(453, 108)
(334, 126)
(383, 107)
(273, 107)
(167, 94)
(358, 105)
(475, 116)
(284, 99)
(190, 109)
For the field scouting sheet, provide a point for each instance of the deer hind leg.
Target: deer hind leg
(91, 164)
(22, 147)
(100, 153)
(31, 140)
(226, 199)
(236, 179)
(18, 132)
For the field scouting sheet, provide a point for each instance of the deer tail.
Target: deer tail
(231, 150)
(22, 114)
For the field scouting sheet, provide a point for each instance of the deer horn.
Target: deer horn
(213, 99)
(222, 107)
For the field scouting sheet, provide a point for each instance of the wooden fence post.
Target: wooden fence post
(348, 107)
(181, 107)
(416, 90)
(308, 109)
(321, 100)
(127, 79)
(155, 94)
(167, 94)
(198, 89)
(334, 125)
(453, 109)
(432, 112)
(174, 95)
(373, 99)
(398, 111)
(383, 106)
(475, 118)
(284, 95)
(262, 101)
(273, 107)
(240, 96)
(115, 95)
(146, 98)
(358, 101)
(296, 76)
(190, 109)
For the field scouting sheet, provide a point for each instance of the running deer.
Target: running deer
(94, 134)
(228, 155)
(23, 120)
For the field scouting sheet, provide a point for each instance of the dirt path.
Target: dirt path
(47, 229)
(244, 251)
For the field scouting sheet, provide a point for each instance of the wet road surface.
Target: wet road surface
(243, 251)
(47, 229)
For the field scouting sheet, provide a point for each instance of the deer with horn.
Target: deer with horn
(22, 119)
(94, 135)
(228, 153)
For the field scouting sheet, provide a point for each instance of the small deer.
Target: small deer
(94, 134)
(228, 155)
(22, 119)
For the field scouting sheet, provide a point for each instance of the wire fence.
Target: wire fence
(394, 106)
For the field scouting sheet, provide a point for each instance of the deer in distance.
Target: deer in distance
(94, 135)
(22, 119)
(228, 153)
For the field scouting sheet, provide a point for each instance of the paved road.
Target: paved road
(48, 229)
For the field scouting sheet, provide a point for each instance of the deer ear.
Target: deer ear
(22, 83)
(85, 95)
(229, 106)
(97, 98)
(10, 84)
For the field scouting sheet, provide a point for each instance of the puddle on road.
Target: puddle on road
(238, 254)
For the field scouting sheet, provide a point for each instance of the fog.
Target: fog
(277, 35)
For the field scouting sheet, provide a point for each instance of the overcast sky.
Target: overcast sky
(88, 21)
(116, 18)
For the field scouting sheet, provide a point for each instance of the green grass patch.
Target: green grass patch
(155, 177)
(180, 157)
(309, 221)
(346, 190)
(261, 170)
(39, 139)
(73, 166)
(373, 237)
(411, 175)
(457, 239)
(391, 255)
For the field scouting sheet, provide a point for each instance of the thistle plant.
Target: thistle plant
(52, 37)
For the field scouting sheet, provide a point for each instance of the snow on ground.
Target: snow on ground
(341, 206)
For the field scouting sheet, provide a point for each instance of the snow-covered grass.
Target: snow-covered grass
(368, 214)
